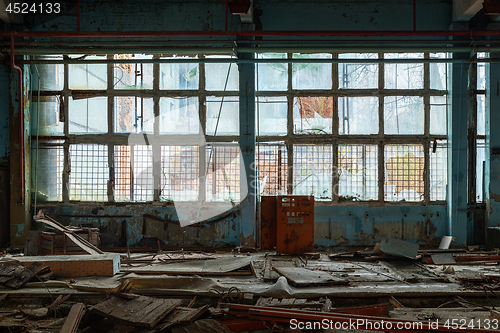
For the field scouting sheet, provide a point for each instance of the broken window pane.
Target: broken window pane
(88, 115)
(180, 175)
(47, 77)
(312, 171)
(222, 181)
(88, 180)
(358, 172)
(272, 168)
(311, 75)
(438, 72)
(358, 75)
(216, 75)
(45, 116)
(403, 115)
(133, 76)
(481, 115)
(404, 173)
(272, 116)
(438, 170)
(272, 76)
(133, 173)
(229, 116)
(480, 164)
(133, 114)
(179, 76)
(312, 115)
(404, 76)
(46, 176)
(358, 115)
(438, 109)
(88, 76)
(179, 115)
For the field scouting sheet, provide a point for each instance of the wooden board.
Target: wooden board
(302, 277)
(181, 316)
(78, 265)
(142, 311)
(222, 266)
(24, 276)
(73, 320)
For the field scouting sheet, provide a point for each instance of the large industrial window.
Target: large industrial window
(353, 130)
(341, 130)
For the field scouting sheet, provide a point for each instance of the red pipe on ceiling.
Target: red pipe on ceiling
(21, 117)
(143, 34)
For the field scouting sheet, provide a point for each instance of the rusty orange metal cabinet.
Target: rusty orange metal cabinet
(295, 224)
(268, 222)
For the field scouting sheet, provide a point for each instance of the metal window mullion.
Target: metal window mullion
(202, 149)
(132, 165)
(290, 129)
(381, 152)
(66, 160)
(335, 131)
(111, 121)
(156, 148)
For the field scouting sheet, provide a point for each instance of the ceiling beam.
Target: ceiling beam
(464, 10)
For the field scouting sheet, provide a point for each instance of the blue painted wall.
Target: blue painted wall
(353, 225)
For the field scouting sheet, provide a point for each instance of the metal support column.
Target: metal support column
(248, 234)
(457, 152)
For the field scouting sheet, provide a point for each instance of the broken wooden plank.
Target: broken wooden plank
(73, 320)
(24, 276)
(78, 265)
(142, 311)
(327, 306)
(220, 266)
(181, 315)
(3, 297)
(470, 276)
(39, 313)
(77, 239)
(399, 248)
(59, 300)
(495, 314)
(395, 303)
(267, 270)
(443, 259)
(402, 276)
(302, 277)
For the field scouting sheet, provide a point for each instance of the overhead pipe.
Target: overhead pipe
(260, 50)
(21, 117)
(345, 33)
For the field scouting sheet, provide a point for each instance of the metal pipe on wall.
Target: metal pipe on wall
(21, 117)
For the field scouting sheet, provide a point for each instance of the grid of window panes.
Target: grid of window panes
(358, 172)
(88, 180)
(330, 129)
(272, 168)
